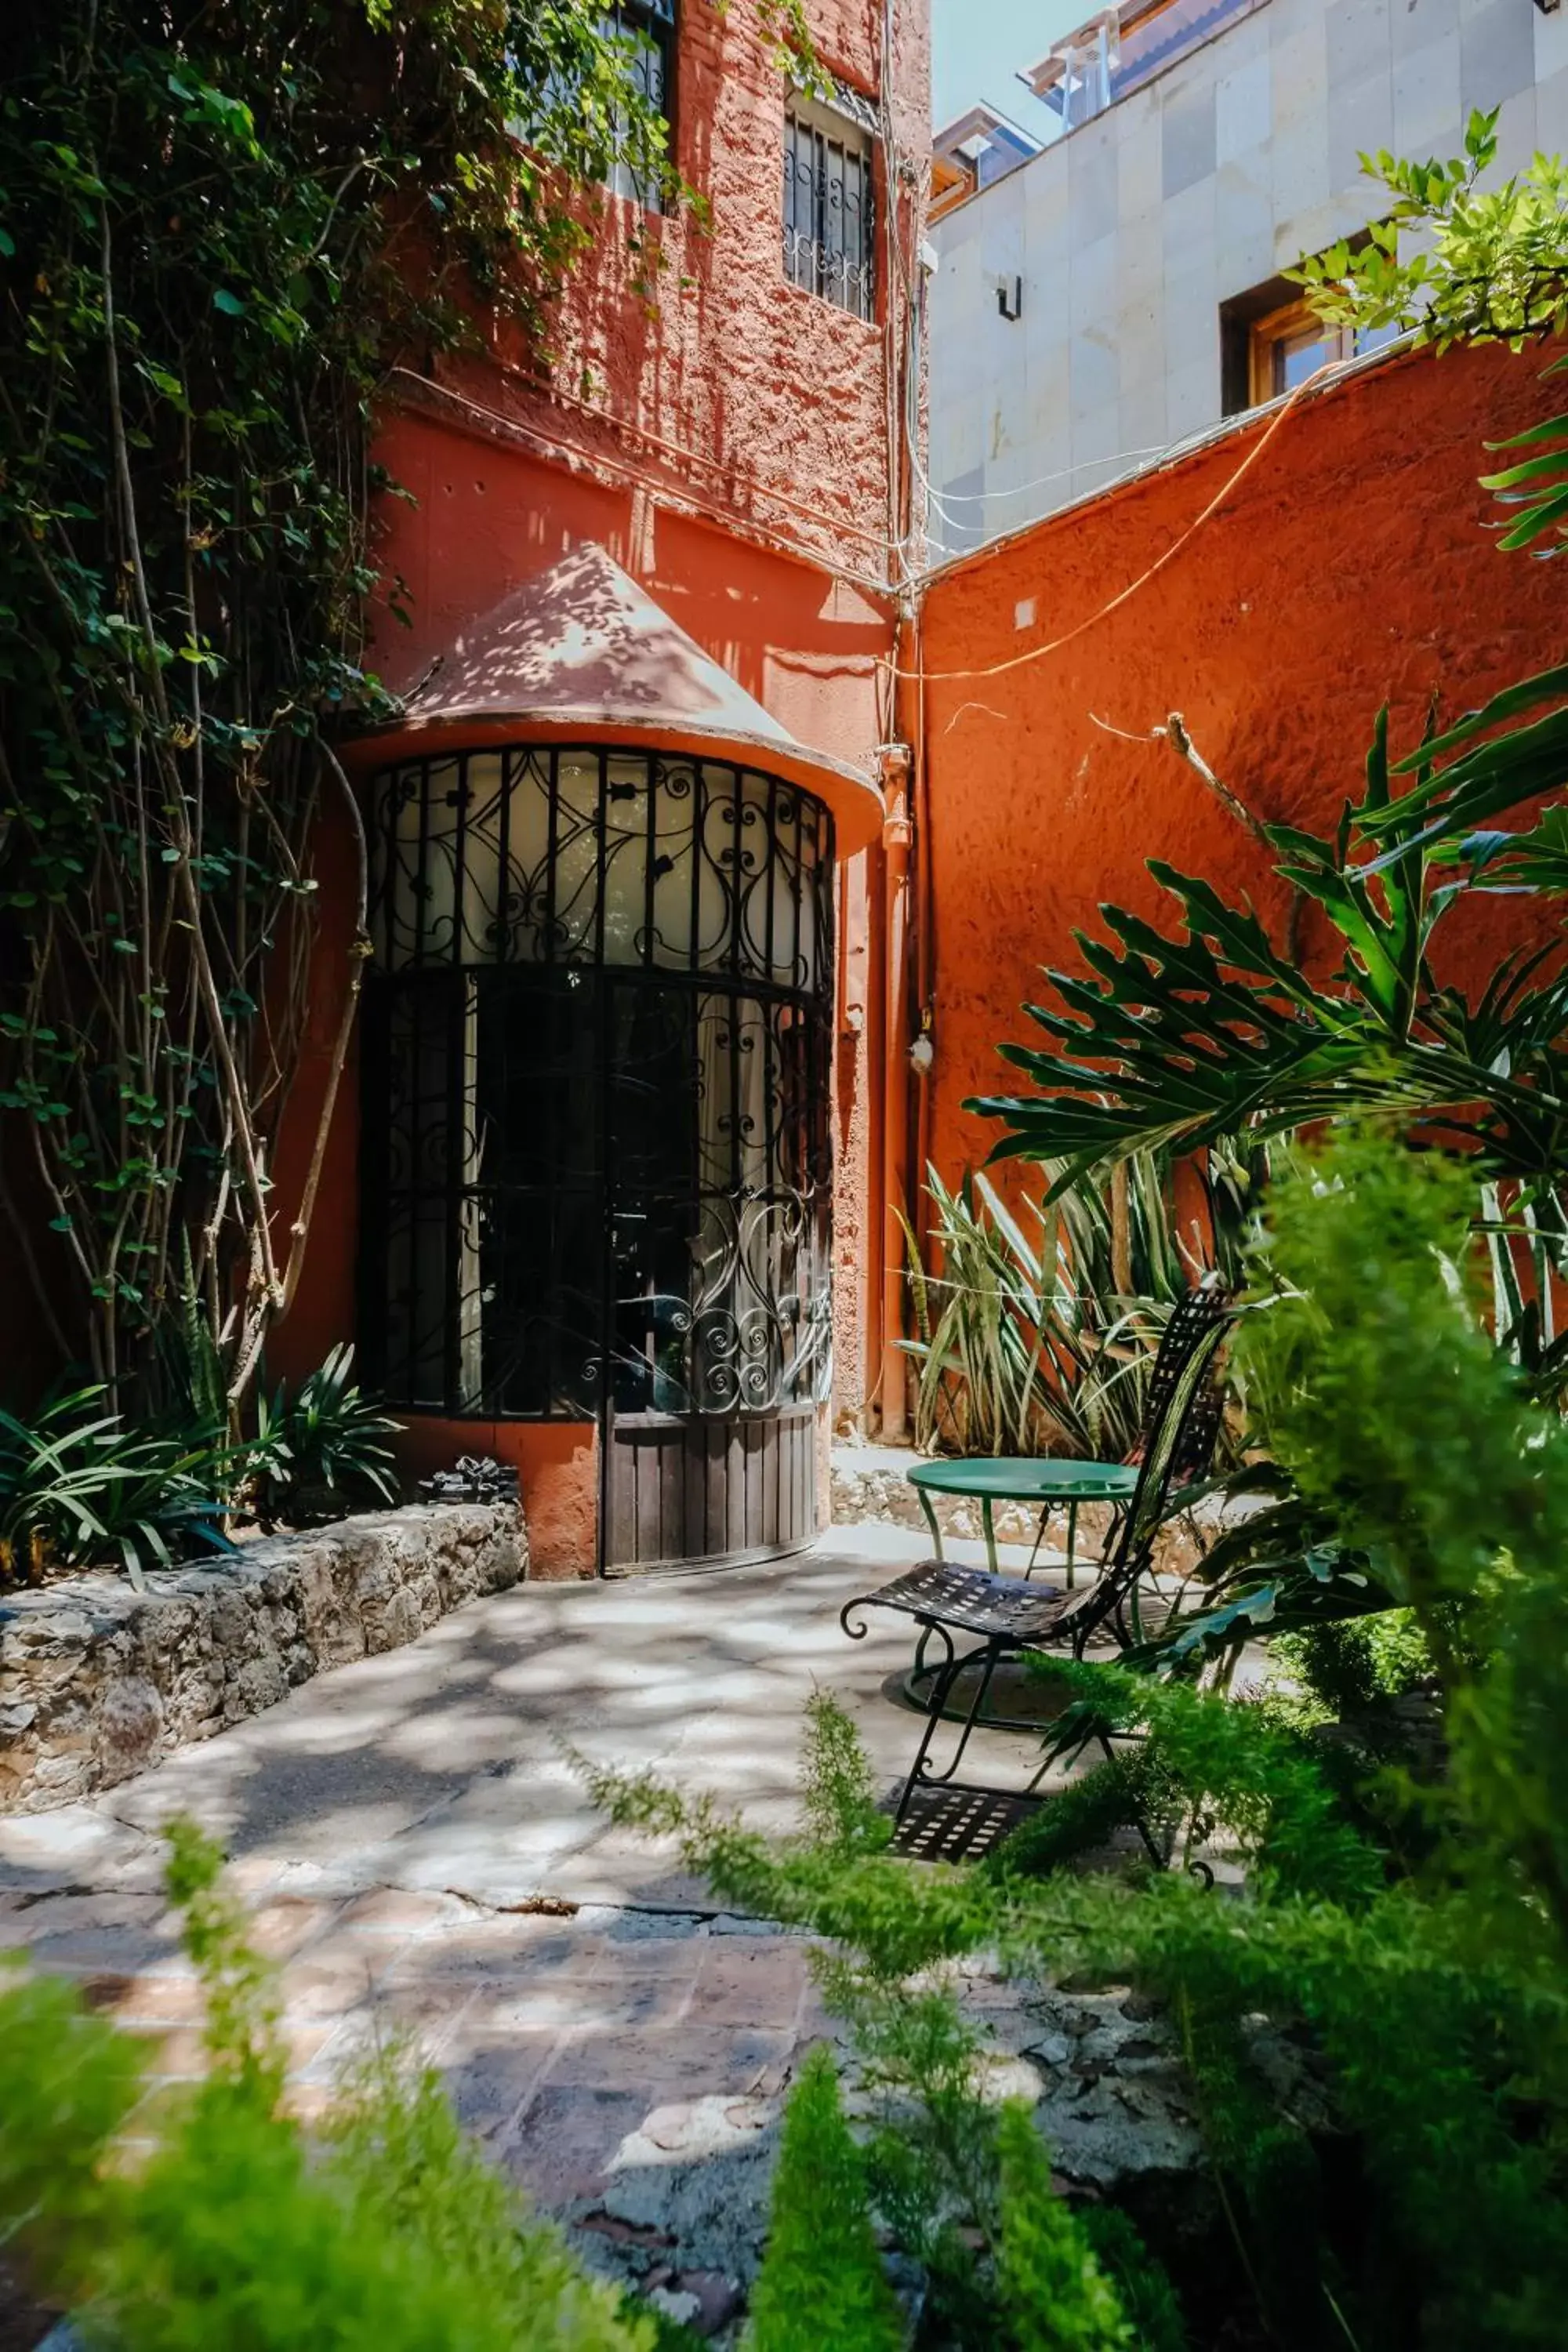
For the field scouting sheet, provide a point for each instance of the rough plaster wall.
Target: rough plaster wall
(769, 386)
(1130, 233)
(1351, 565)
(758, 387)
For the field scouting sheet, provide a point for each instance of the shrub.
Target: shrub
(78, 1487)
(1412, 1937)
(822, 2281)
(320, 1451)
(1055, 2296)
(1046, 1344)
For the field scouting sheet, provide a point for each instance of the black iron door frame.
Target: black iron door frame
(595, 1088)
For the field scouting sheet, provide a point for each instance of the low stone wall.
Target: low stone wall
(870, 1483)
(871, 1486)
(97, 1681)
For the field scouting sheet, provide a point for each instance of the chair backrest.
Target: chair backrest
(1189, 1403)
(1196, 1312)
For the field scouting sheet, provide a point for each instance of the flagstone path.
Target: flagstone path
(421, 1857)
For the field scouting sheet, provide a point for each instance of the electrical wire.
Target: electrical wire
(900, 377)
(1017, 490)
(546, 390)
(1054, 645)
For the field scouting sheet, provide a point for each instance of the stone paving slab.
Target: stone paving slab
(421, 1858)
(441, 1766)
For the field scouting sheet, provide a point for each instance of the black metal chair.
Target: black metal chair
(1008, 1616)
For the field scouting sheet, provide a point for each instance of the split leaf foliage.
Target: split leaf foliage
(1406, 1933)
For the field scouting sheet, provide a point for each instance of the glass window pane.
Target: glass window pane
(1301, 355)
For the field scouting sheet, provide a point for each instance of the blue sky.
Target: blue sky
(977, 47)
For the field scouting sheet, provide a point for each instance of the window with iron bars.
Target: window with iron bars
(828, 208)
(648, 27)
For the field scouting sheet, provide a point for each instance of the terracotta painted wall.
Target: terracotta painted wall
(487, 515)
(726, 442)
(1351, 565)
(762, 399)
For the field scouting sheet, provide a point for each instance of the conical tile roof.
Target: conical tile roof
(581, 650)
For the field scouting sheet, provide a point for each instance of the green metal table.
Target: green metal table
(1023, 1478)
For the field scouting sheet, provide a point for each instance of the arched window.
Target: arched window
(594, 1135)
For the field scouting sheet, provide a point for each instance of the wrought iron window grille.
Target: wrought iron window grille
(648, 27)
(596, 1077)
(829, 207)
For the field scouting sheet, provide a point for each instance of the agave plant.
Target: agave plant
(1043, 1342)
(317, 1453)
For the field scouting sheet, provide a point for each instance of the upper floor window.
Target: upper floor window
(1292, 343)
(829, 214)
(647, 27)
(1271, 340)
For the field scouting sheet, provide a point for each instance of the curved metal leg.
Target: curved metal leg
(929, 1508)
(920, 1670)
(989, 1526)
(946, 1674)
(1072, 1544)
(920, 1773)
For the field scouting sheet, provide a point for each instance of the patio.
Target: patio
(420, 1856)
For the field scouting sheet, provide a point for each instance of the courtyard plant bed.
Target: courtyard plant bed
(1353, 1977)
(97, 1680)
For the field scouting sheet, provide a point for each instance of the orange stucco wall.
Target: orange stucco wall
(723, 438)
(558, 1472)
(1351, 565)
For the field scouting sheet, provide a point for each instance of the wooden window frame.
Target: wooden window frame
(1265, 336)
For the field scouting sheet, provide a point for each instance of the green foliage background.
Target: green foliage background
(390, 2233)
(1409, 1927)
(219, 228)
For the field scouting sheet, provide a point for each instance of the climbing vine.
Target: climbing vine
(219, 228)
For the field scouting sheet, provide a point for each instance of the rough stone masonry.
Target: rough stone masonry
(97, 1681)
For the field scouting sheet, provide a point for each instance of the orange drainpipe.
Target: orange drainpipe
(896, 837)
(923, 924)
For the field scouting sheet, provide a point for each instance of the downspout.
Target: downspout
(922, 1051)
(896, 831)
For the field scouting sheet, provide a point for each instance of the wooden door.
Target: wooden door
(703, 1491)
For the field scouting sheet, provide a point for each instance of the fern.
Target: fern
(822, 2281)
(1054, 2293)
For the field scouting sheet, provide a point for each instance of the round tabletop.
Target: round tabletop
(1029, 1478)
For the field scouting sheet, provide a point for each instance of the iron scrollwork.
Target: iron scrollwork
(596, 1086)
